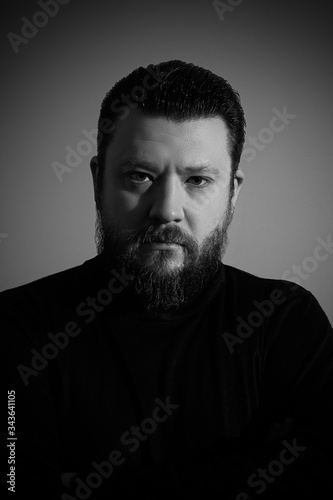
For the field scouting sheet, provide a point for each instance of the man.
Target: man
(153, 370)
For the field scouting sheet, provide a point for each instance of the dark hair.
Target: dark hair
(178, 91)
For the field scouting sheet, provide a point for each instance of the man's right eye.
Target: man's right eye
(138, 177)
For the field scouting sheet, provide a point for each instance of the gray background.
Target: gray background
(275, 53)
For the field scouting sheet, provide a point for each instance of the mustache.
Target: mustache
(160, 234)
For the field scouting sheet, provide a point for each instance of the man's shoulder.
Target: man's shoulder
(255, 287)
(254, 297)
(57, 287)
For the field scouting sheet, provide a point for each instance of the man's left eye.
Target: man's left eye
(198, 181)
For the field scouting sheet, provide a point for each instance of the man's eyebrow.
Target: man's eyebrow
(190, 170)
(202, 169)
(135, 162)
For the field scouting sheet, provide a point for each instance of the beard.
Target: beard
(157, 285)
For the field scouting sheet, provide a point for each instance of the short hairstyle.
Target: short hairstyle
(178, 91)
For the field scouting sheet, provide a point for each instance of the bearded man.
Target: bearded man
(154, 370)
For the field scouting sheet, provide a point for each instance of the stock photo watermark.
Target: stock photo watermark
(74, 157)
(277, 124)
(30, 27)
(59, 341)
(263, 477)
(130, 439)
(11, 459)
(245, 327)
(310, 264)
(264, 309)
(122, 106)
(223, 8)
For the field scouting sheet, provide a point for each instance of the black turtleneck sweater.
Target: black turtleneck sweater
(113, 402)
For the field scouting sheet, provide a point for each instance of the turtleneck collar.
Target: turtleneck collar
(127, 302)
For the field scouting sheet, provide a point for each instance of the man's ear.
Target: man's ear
(94, 167)
(238, 182)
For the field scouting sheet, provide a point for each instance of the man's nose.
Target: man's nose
(167, 201)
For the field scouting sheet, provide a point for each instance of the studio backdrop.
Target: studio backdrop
(60, 57)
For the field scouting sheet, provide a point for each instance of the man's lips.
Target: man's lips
(161, 245)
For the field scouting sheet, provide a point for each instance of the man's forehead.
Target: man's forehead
(200, 141)
(141, 124)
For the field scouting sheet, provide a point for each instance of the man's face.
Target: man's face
(165, 204)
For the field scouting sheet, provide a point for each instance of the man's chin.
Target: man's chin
(162, 261)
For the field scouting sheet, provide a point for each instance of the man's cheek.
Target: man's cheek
(127, 213)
